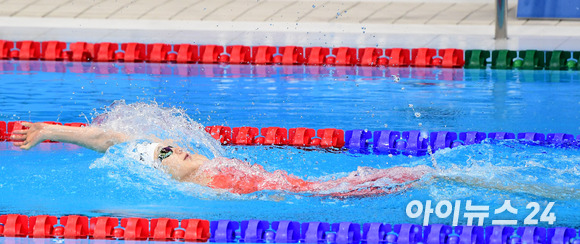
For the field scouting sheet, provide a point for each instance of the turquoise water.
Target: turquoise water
(59, 180)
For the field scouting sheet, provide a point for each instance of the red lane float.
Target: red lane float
(422, 57)
(452, 58)
(345, 56)
(331, 138)
(28, 50)
(399, 56)
(301, 136)
(157, 52)
(5, 47)
(15, 225)
(12, 126)
(42, 226)
(3, 133)
(210, 54)
(274, 135)
(81, 51)
(105, 51)
(75, 227)
(52, 50)
(132, 52)
(239, 54)
(316, 55)
(186, 53)
(369, 56)
(135, 228)
(263, 54)
(196, 230)
(221, 133)
(103, 227)
(163, 229)
(244, 135)
(291, 55)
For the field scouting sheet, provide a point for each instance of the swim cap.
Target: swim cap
(145, 152)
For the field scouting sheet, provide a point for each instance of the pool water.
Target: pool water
(60, 179)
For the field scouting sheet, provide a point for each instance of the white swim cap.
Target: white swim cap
(145, 152)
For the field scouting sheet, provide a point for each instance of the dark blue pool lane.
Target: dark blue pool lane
(302, 96)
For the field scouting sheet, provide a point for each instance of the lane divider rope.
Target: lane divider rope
(412, 142)
(260, 231)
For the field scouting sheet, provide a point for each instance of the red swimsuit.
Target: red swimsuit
(240, 177)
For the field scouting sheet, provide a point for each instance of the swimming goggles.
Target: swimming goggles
(165, 152)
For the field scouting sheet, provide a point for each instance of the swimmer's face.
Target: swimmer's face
(170, 155)
(179, 163)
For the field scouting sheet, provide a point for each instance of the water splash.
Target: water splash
(490, 169)
(508, 168)
(144, 120)
(150, 122)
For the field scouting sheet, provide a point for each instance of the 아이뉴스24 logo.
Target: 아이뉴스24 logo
(444, 209)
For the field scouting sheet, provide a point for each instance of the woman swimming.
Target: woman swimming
(233, 175)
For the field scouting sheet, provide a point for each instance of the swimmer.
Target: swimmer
(232, 175)
(241, 177)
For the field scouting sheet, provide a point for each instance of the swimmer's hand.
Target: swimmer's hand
(30, 137)
(90, 137)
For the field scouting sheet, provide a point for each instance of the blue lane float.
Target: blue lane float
(384, 141)
(314, 232)
(346, 233)
(357, 141)
(560, 138)
(223, 231)
(467, 234)
(285, 231)
(437, 233)
(413, 143)
(253, 231)
(375, 233)
(498, 234)
(416, 143)
(501, 135)
(259, 231)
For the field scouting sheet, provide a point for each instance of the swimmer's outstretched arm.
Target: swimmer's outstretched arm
(90, 137)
